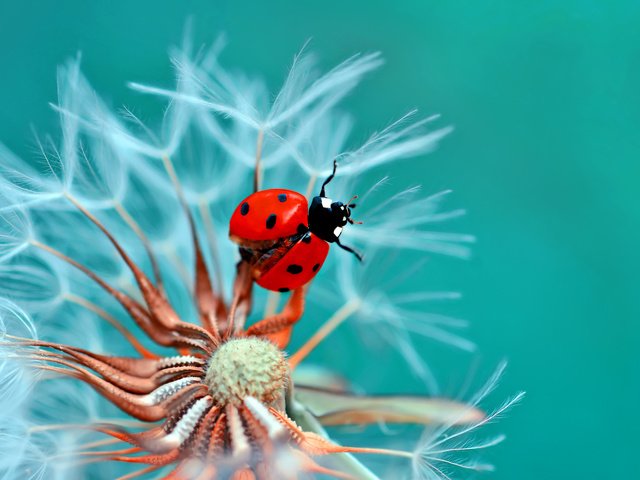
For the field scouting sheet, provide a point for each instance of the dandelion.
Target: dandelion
(440, 448)
(132, 339)
(386, 310)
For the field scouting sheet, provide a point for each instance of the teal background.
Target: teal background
(545, 98)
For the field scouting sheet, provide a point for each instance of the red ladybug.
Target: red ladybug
(286, 241)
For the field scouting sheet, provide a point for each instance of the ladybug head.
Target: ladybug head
(327, 218)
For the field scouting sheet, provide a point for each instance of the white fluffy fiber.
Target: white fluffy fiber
(113, 164)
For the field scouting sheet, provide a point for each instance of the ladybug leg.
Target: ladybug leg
(349, 249)
(333, 174)
(278, 327)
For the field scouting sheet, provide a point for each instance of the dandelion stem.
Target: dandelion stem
(101, 443)
(475, 467)
(175, 181)
(381, 451)
(114, 322)
(310, 185)
(205, 297)
(210, 232)
(83, 426)
(329, 326)
(257, 174)
(273, 298)
(173, 176)
(65, 258)
(103, 453)
(183, 271)
(146, 243)
(138, 473)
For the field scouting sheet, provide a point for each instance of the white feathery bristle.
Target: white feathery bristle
(404, 221)
(15, 321)
(274, 428)
(298, 94)
(442, 448)
(285, 465)
(388, 318)
(23, 185)
(241, 448)
(16, 376)
(165, 391)
(314, 140)
(186, 425)
(168, 362)
(398, 141)
(16, 232)
(33, 283)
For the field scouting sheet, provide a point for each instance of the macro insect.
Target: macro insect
(286, 241)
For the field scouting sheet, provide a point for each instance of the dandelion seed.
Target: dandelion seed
(388, 317)
(15, 233)
(440, 448)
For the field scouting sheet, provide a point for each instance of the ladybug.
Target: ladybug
(283, 239)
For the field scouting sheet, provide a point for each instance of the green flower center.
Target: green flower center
(247, 367)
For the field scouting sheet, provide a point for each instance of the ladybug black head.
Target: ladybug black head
(328, 218)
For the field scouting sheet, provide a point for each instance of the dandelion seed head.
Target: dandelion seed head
(114, 243)
(265, 372)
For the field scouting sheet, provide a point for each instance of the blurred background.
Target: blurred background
(545, 100)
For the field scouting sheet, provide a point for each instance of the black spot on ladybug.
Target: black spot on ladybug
(302, 228)
(306, 238)
(316, 267)
(294, 269)
(282, 197)
(271, 221)
(244, 209)
(283, 290)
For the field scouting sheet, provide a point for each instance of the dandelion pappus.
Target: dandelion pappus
(202, 394)
(286, 241)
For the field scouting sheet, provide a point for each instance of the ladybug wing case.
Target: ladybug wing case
(297, 267)
(269, 215)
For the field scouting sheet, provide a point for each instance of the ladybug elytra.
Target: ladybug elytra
(283, 239)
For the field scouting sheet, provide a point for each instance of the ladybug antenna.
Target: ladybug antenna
(329, 178)
(349, 249)
(350, 206)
